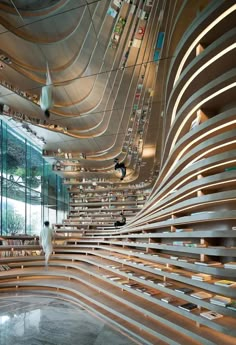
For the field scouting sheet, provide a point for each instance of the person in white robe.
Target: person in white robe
(46, 98)
(45, 240)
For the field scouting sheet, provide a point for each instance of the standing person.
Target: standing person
(1, 243)
(46, 98)
(45, 239)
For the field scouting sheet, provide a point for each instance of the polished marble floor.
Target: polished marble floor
(41, 320)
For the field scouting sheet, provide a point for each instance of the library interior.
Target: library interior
(118, 172)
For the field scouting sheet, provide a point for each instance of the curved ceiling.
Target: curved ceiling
(104, 77)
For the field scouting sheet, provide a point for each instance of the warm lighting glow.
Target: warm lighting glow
(209, 151)
(152, 208)
(195, 140)
(149, 152)
(194, 75)
(200, 36)
(198, 106)
(192, 192)
(192, 142)
(188, 208)
(205, 204)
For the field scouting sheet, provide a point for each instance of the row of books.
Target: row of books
(217, 299)
(187, 244)
(142, 289)
(4, 268)
(210, 315)
(201, 276)
(185, 290)
(195, 276)
(209, 263)
(178, 258)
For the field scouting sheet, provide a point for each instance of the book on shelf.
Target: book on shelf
(195, 245)
(211, 315)
(220, 300)
(141, 289)
(4, 268)
(232, 305)
(188, 306)
(114, 278)
(183, 230)
(207, 263)
(179, 230)
(130, 273)
(141, 264)
(231, 264)
(151, 292)
(201, 295)
(184, 290)
(128, 284)
(201, 276)
(165, 284)
(131, 285)
(168, 299)
(174, 257)
(226, 283)
(123, 281)
(181, 243)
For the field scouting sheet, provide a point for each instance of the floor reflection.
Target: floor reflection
(33, 320)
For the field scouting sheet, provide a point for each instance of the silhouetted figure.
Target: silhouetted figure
(46, 98)
(122, 222)
(122, 168)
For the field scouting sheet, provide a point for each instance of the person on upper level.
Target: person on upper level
(121, 167)
(46, 98)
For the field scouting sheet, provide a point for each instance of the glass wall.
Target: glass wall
(30, 192)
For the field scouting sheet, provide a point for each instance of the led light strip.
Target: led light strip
(200, 36)
(199, 70)
(182, 182)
